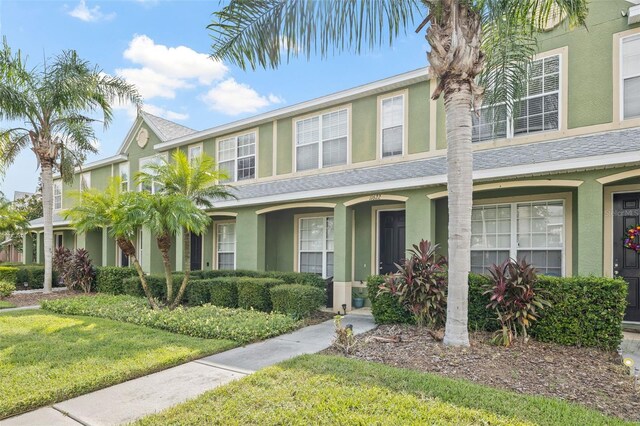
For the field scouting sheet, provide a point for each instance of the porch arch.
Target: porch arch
(295, 206)
(515, 184)
(375, 197)
(619, 176)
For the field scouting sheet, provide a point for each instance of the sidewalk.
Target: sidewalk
(136, 398)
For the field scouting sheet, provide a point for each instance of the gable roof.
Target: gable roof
(165, 129)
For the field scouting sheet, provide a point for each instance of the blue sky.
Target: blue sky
(162, 47)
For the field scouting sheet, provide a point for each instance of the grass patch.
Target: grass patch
(207, 321)
(6, 305)
(315, 389)
(45, 358)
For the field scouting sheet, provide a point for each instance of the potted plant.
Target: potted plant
(357, 298)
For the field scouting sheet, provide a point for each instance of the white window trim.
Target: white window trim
(215, 243)
(143, 159)
(55, 239)
(235, 159)
(513, 250)
(196, 145)
(139, 250)
(299, 251)
(319, 114)
(86, 176)
(128, 181)
(621, 78)
(405, 123)
(57, 183)
(119, 254)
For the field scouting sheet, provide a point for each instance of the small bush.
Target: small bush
(62, 258)
(197, 292)
(385, 308)
(33, 275)
(109, 278)
(305, 278)
(8, 273)
(224, 292)
(480, 318)
(253, 293)
(296, 300)
(157, 285)
(6, 288)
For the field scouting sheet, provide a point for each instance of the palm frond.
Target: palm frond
(12, 142)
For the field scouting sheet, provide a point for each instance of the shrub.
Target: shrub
(208, 322)
(585, 311)
(62, 264)
(8, 273)
(296, 300)
(33, 275)
(197, 292)
(109, 278)
(480, 318)
(253, 293)
(344, 341)
(385, 308)
(515, 298)
(305, 278)
(6, 288)
(421, 284)
(224, 292)
(157, 285)
(82, 274)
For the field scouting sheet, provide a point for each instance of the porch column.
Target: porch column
(420, 219)
(39, 249)
(81, 240)
(179, 251)
(590, 228)
(250, 240)
(108, 249)
(27, 248)
(342, 250)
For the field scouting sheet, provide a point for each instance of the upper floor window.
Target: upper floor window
(123, 171)
(194, 151)
(630, 77)
(392, 125)
(85, 181)
(143, 165)
(237, 157)
(321, 141)
(57, 195)
(537, 111)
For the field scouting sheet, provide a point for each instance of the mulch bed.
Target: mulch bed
(318, 317)
(32, 299)
(586, 376)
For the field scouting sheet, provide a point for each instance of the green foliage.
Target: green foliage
(296, 300)
(33, 275)
(385, 308)
(253, 293)
(6, 305)
(6, 288)
(109, 278)
(222, 291)
(480, 318)
(47, 358)
(305, 278)
(8, 273)
(74, 268)
(157, 285)
(208, 321)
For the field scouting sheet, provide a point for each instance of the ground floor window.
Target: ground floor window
(58, 240)
(226, 245)
(123, 259)
(315, 245)
(531, 230)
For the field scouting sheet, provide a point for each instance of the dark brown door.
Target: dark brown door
(196, 252)
(391, 247)
(626, 262)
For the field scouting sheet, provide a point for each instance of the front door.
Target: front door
(196, 252)
(391, 246)
(626, 262)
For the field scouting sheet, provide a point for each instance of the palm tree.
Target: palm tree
(11, 220)
(198, 180)
(51, 107)
(122, 213)
(167, 214)
(474, 44)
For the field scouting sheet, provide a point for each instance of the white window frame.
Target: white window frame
(324, 242)
(57, 184)
(55, 239)
(622, 78)
(140, 167)
(236, 157)
(321, 141)
(119, 254)
(217, 252)
(190, 155)
(381, 128)
(510, 117)
(126, 166)
(139, 251)
(513, 249)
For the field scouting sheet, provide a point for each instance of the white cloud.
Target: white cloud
(93, 14)
(233, 98)
(152, 84)
(132, 112)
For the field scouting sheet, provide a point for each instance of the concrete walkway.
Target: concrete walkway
(137, 398)
(20, 308)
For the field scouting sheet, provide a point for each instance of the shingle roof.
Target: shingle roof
(593, 145)
(167, 130)
(36, 223)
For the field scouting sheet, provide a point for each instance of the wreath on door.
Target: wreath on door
(632, 238)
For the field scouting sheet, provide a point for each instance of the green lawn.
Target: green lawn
(317, 389)
(6, 305)
(45, 357)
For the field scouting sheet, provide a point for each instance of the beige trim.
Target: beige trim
(133, 132)
(619, 176)
(375, 197)
(296, 230)
(318, 113)
(295, 206)
(375, 210)
(609, 191)
(405, 122)
(616, 63)
(515, 184)
(565, 197)
(214, 261)
(195, 145)
(230, 214)
(55, 236)
(256, 132)
(274, 142)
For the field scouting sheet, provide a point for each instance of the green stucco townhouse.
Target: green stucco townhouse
(343, 184)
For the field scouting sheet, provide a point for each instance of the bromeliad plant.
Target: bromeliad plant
(515, 298)
(421, 284)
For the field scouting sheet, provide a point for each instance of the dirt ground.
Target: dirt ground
(31, 299)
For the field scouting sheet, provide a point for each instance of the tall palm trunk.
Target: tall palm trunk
(164, 245)
(128, 249)
(46, 174)
(186, 242)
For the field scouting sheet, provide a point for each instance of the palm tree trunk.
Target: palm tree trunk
(457, 101)
(127, 247)
(164, 245)
(186, 242)
(46, 174)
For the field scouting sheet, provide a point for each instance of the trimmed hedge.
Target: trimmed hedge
(8, 273)
(481, 318)
(109, 279)
(253, 293)
(296, 300)
(33, 275)
(221, 291)
(304, 278)
(157, 285)
(385, 308)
